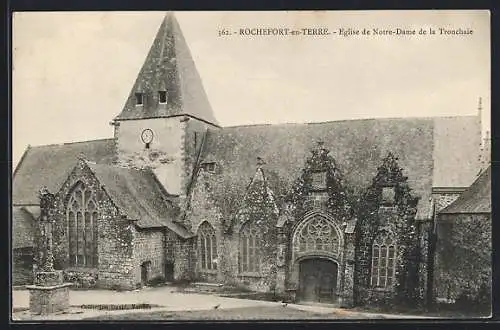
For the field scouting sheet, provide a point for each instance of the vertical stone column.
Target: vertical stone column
(281, 261)
(347, 297)
(49, 294)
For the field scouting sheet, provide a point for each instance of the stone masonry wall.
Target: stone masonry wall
(114, 239)
(203, 209)
(149, 245)
(463, 257)
(22, 266)
(184, 260)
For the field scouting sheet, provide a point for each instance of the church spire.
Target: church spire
(168, 83)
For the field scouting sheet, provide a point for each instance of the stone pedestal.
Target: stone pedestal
(49, 294)
(49, 278)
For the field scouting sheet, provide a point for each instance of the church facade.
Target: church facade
(338, 212)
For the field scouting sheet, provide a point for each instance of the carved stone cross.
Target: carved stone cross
(45, 244)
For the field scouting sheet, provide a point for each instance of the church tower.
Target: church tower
(167, 113)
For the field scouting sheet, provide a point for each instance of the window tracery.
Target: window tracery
(383, 261)
(249, 254)
(207, 247)
(318, 235)
(82, 218)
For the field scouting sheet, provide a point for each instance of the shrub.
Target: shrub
(81, 280)
(117, 287)
(157, 281)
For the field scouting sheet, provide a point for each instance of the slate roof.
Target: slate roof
(457, 154)
(22, 228)
(138, 194)
(50, 165)
(170, 66)
(476, 199)
(357, 145)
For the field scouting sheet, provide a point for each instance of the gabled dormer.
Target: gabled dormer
(389, 194)
(319, 186)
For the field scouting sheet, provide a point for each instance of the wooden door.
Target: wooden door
(145, 272)
(318, 280)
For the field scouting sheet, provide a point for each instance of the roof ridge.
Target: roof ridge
(68, 143)
(28, 147)
(347, 120)
(470, 191)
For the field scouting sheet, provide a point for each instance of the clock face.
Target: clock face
(147, 135)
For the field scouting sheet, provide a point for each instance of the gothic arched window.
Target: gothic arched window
(383, 261)
(82, 218)
(249, 254)
(207, 247)
(318, 235)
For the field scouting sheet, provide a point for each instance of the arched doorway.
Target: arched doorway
(145, 272)
(317, 280)
(169, 270)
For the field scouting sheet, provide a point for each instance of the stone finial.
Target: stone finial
(389, 173)
(81, 156)
(260, 162)
(320, 148)
(43, 191)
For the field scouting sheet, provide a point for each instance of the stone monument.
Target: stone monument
(49, 293)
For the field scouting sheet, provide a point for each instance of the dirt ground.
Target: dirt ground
(246, 313)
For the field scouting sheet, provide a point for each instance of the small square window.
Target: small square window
(388, 195)
(319, 181)
(139, 99)
(162, 95)
(209, 167)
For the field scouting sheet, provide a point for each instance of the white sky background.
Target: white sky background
(72, 72)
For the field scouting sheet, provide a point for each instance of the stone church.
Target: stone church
(335, 212)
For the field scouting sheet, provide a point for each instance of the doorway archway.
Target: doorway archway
(318, 280)
(145, 272)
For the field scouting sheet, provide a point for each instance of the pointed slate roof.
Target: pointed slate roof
(168, 66)
(476, 199)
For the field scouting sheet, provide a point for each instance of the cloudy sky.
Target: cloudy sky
(72, 72)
